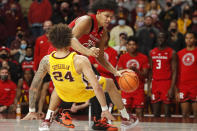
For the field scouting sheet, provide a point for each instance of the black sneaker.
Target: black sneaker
(103, 125)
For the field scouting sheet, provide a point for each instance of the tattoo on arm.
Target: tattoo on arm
(42, 70)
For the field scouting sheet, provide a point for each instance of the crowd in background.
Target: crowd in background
(24, 25)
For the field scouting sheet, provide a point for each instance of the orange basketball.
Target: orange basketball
(129, 81)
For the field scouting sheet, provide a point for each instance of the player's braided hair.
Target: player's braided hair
(104, 5)
(60, 36)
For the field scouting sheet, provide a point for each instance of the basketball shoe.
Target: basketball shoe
(64, 119)
(103, 125)
(45, 125)
(128, 124)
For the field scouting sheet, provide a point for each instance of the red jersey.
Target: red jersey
(187, 67)
(110, 55)
(27, 65)
(25, 91)
(88, 40)
(8, 92)
(140, 62)
(41, 49)
(161, 63)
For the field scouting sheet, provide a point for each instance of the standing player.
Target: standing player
(163, 62)
(67, 71)
(187, 75)
(137, 62)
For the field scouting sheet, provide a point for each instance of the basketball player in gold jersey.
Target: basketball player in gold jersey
(68, 72)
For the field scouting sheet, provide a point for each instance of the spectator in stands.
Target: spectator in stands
(193, 26)
(156, 22)
(22, 93)
(13, 20)
(14, 68)
(39, 11)
(187, 74)
(153, 6)
(168, 14)
(175, 39)
(121, 47)
(185, 20)
(147, 36)
(137, 62)
(42, 45)
(163, 63)
(139, 18)
(7, 90)
(116, 30)
(63, 15)
(28, 61)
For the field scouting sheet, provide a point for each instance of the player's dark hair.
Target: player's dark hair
(191, 32)
(104, 5)
(60, 35)
(4, 68)
(132, 38)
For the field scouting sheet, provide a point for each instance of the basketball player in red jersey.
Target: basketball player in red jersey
(187, 75)
(163, 62)
(138, 62)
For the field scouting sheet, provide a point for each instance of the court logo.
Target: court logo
(188, 59)
(134, 63)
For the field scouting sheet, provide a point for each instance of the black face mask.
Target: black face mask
(20, 36)
(65, 10)
(169, 4)
(39, 1)
(3, 56)
(4, 77)
(173, 30)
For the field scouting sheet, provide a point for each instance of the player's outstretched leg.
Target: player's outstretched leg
(54, 102)
(128, 121)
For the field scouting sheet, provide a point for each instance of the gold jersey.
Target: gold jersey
(69, 85)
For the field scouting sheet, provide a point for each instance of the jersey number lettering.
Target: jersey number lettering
(58, 76)
(158, 64)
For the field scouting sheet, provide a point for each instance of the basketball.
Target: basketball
(128, 82)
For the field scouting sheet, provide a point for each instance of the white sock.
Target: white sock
(124, 113)
(49, 115)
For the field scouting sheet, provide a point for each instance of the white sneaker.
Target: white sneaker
(128, 124)
(45, 125)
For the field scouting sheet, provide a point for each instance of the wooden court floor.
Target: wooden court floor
(8, 122)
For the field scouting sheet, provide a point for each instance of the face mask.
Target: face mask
(23, 46)
(169, 4)
(140, 14)
(121, 22)
(4, 77)
(140, 24)
(65, 10)
(113, 21)
(173, 30)
(13, 9)
(20, 36)
(154, 16)
(28, 58)
(3, 56)
(39, 1)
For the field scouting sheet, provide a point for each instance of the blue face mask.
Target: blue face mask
(121, 22)
(23, 46)
(140, 14)
(113, 21)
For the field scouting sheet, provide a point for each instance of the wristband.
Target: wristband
(32, 110)
(104, 108)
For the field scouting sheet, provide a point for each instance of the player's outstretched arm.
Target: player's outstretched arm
(33, 91)
(83, 65)
(82, 27)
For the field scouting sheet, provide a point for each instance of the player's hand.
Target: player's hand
(107, 115)
(31, 116)
(93, 51)
(74, 108)
(119, 73)
(41, 115)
